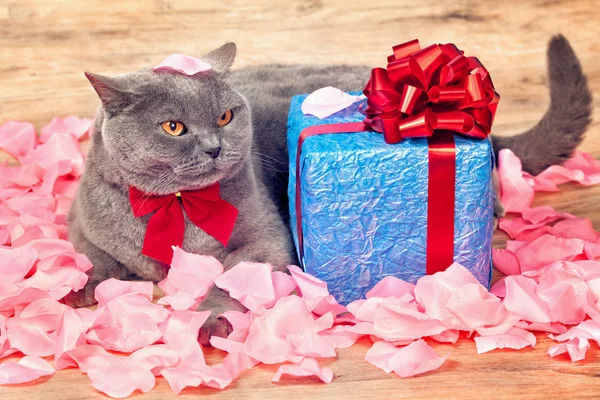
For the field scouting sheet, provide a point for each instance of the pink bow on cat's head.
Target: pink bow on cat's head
(183, 64)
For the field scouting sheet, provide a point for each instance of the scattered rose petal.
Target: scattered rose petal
(547, 249)
(183, 64)
(391, 286)
(514, 338)
(27, 369)
(17, 138)
(522, 299)
(190, 273)
(544, 214)
(113, 288)
(516, 193)
(31, 340)
(307, 367)
(414, 359)
(327, 101)
(119, 377)
(249, 283)
(73, 125)
(576, 347)
(506, 262)
(553, 287)
(474, 306)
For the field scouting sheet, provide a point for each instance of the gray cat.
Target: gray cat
(247, 155)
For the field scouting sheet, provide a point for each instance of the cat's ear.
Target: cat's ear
(114, 92)
(222, 58)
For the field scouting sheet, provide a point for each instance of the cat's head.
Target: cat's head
(167, 131)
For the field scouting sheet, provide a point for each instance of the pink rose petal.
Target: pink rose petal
(16, 263)
(128, 323)
(249, 283)
(113, 288)
(32, 340)
(576, 348)
(433, 291)
(415, 359)
(547, 249)
(506, 262)
(71, 330)
(391, 286)
(195, 373)
(191, 273)
(557, 174)
(586, 163)
(283, 284)
(309, 286)
(78, 127)
(60, 147)
(307, 367)
(340, 336)
(514, 338)
(27, 369)
(517, 194)
(399, 322)
(17, 138)
(474, 306)
(179, 301)
(183, 64)
(183, 324)
(155, 357)
(327, 101)
(548, 327)
(517, 226)
(576, 340)
(268, 336)
(44, 313)
(543, 214)
(119, 377)
(566, 296)
(522, 299)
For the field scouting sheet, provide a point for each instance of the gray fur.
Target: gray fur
(554, 138)
(129, 148)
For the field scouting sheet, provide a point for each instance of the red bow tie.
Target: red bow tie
(166, 227)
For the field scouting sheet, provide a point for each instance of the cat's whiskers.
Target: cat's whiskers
(158, 182)
(157, 185)
(267, 165)
(188, 168)
(268, 157)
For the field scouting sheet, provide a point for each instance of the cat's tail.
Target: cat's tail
(561, 129)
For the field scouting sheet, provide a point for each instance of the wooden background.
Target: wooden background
(46, 45)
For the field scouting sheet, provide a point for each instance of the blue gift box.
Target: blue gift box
(364, 204)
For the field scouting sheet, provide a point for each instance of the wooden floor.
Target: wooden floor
(46, 45)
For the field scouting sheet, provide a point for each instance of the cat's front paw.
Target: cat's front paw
(82, 298)
(214, 326)
(217, 301)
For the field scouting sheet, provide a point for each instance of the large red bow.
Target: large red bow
(166, 227)
(427, 89)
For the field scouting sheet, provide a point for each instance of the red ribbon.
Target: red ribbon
(423, 93)
(166, 228)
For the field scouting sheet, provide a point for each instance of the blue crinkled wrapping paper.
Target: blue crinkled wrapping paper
(364, 205)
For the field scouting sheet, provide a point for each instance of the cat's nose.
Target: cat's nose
(214, 152)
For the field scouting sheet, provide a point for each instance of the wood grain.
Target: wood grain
(45, 45)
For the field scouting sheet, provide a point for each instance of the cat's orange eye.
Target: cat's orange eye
(173, 128)
(225, 118)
